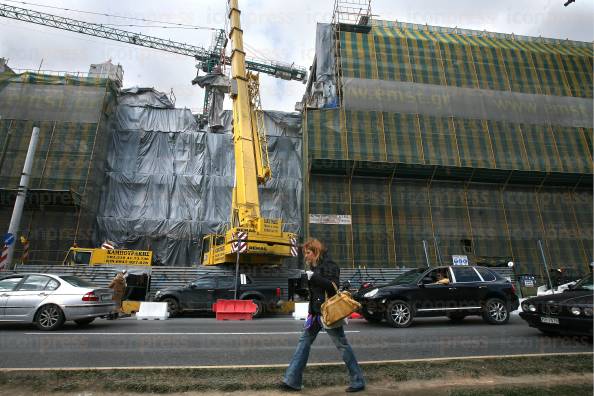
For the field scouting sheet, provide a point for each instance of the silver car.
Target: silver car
(49, 300)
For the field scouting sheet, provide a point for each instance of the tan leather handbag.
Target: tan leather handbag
(338, 307)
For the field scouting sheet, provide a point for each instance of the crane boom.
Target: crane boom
(276, 69)
(261, 240)
(245, 194)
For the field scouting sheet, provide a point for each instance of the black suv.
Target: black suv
(454, 291)
(199, 295)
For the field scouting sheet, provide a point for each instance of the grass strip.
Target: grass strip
(527, 390)
(171, 380)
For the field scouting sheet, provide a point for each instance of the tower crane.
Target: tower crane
(208, 59)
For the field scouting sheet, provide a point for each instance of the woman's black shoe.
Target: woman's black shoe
(284, 387)
(351, 389)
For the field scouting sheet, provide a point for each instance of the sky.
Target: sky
(273, 29)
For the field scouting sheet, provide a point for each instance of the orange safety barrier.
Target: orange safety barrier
(234, 309)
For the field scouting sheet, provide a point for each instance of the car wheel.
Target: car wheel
(456, 317)
(49, 317)
(259, 309)
(399, 314)
(495, 311)
(84, 322)
(172, 306)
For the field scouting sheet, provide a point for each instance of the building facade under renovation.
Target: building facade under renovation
(74, 114)
(424, 143)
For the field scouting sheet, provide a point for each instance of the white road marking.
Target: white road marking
(119, 334)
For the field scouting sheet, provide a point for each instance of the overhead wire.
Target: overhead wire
(180, 25)
(153, 26)
(258, 54)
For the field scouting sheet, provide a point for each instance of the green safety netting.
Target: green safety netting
(388, 220)
(72, 114)
(62, 156)
(331, 195)
(393, 53)
(422, 139)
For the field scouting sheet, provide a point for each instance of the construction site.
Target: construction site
(413, 146)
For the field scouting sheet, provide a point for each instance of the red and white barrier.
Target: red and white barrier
(25, 256)
(4, 258)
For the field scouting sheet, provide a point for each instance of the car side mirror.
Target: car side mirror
(193, 286)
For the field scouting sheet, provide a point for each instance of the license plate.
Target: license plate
(105, 297)
(545, 319)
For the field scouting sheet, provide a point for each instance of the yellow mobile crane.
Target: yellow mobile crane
(259, 240)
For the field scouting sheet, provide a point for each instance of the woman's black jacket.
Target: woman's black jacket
(320, 283)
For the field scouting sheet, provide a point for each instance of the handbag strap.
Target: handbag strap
(335, 288)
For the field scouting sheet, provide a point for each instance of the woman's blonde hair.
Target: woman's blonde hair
(316, 247)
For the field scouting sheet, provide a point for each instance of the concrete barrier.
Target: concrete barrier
(152, 311)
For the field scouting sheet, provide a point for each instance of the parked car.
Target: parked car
(199, 295)
(452, 291)
(568, 313)
(49, 300)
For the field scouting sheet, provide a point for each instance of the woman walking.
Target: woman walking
(322, 273)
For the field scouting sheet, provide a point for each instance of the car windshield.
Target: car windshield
(584, 283)
(76, 281)
(408, 277)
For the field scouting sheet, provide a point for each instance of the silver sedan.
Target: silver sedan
(49, 300)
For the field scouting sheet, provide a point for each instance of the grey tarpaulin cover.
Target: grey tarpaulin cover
(322, 88)
(169, 183)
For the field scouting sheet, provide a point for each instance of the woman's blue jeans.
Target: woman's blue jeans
(294, 373)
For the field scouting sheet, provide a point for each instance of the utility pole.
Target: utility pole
(19, 203)
(544, 260)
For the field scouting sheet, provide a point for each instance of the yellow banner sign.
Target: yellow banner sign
(122, 257)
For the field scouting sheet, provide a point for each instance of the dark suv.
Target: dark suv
(201, 294)
(454, 291)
